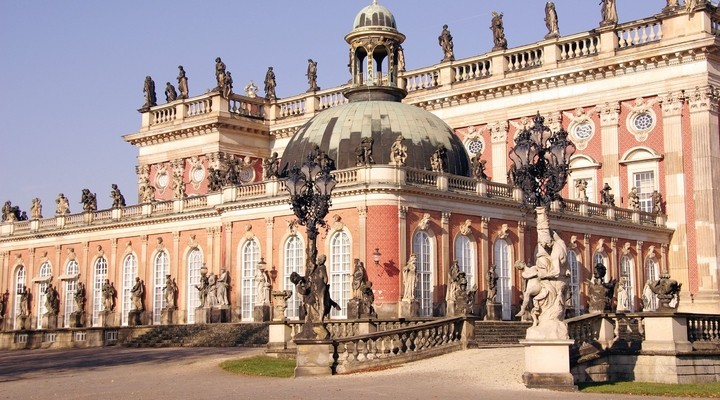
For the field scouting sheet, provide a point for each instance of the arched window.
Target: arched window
(71, 269)
(19, 288)
(194, 263)
(100, 274)
(600, 257)
(574, 267)
(627, 279)
(293, 257)
(424, 290)
(161, 267)
(339, 278)
(250, 258)
(465, 256)
(130, 267)
(502, 255)
(45, 272)
(652, 273)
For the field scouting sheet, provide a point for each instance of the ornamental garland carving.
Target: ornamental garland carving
(424, 222)
(466, 228)
(581, 127)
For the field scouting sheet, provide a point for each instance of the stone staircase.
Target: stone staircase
(206, 335)
(499, 333)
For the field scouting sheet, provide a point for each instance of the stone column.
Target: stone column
(613, 269)
(142, 263)
(484, 255)
(706, 196)
(609, 118)
(269, 251)
(675, 192)
(402, 249)
(362, 232)
(175, 265)
(228, 245)
(498, 140)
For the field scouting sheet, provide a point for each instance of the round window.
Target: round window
(475, 146)
(198, 174)
(643, 121)
(583, 130)
(162, 180)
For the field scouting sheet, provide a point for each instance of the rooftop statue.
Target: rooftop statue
(149, 92)
(219, 75)
(270, 84)
(445, 40)
(36, 209)
(117, 197)
(182, 83)
(605, 197)
(363, 152)
(63, 205)
(398, 152)
(438, 160)
(478, 168)
(251, 90)
(88, 200)
(227, 85)
(498, 30)
(270, 166)
(608, 11)
(633, 199)
(551, 21)
(312, 75)
(170, 92)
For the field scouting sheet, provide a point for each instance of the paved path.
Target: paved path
(193, 373)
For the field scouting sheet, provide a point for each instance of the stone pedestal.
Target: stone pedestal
(313, 358)
(261, 313)
(22, 322)
(219, 314)
(168, 316)
(137, 318)
(666, 333)
(202, 315)
(409, 309)
(279, 335)
(77, 319)
(107, 319)
(49, 321)
(494, 312)
(547, 365)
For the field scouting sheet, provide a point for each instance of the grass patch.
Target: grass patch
(711, 389)
(261, 366)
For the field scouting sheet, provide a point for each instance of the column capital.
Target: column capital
(703, 99)
(498, 131)
(445, 217)
(672, 103)
(402, 212)
(609, 113)
(362, 211)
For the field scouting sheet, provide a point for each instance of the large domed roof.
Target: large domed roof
(339, 130)
(374, 16)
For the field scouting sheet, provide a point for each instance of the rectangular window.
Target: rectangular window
(644, 181)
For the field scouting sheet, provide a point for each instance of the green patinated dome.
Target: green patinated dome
(374, 16)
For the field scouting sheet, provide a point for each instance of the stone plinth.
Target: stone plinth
(494, 312)
(219, 314)
(547, 365)
(168, 316)
(77, 319)
(261, 313)
(666, 333)
(137, 318)
(313, 358)
(106, 318)
(49, 321)
(202, 315)
(409, 309)
(279, 335)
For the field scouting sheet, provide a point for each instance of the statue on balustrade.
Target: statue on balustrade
(219, 75)
(270, 166)
(498, 30)
(118, 200)
(227, 85)
(478, 168)
(633, 199)
(608, 11)
(170, 92)
(149, 92)
(136, 294)
(667, 291)
(410, 278)
(657, 203)
(52, 300)
(363, 152)
(312, 75)
(581, 190)
(439, 160)
(10, 213)
(398, 152)
(605, 197)
(36, 208)
(215, 179)
(170, 292)
(88, 200)
(24, 302)
(691, 5)
(221, 287)
(551, 21)
(622, 298)
(63, 205)
(463, 298)
(109, 293)
(23, 216)
(202, 289)
(453, 282)
(79, 297)
(359, 279)
(445, 40)
(182, 83)
(251, 90)
(600, 293)
(270, 84)
(232, 176)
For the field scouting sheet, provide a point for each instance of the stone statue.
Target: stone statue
(212, 299)
(169, 291)
(363, 152)
(667, 291)
(11, 213)
(463, 298)
(79, 297)
(149, 92)
(203, 288)
(633, 199)
(108, 294)
(219, 75)
(649, 299)
(302, 288)
(215, 179)
(36, 208)
(368, 298)
(608, 11)
(623, 300)
(23, 216)
(136, 293)
(445, 40)
(511, 175)
(52, 300)
(453, 283)
(3, 304)
(672, 4)
(227, 86)
(262, 285)
(581, 190)
(691, 5)
(312, 75)
(551, 21)
(498, 30)
(401, 58)
(178, 186)
(148, 194)
(478, 168)
(315, 293)
(24, 303)
(600, 293)
(63, 205)
(117, 197)
(182, 83)
(221, 288)
(657, 202)
(492, 279)
(359, 279)
(88, 200)
(410, 278)
(280, 298)
(398, 152)
(270, 166)
(251, 90)
(439, 160)
(270, 84)
(170, 92)
(605, 197)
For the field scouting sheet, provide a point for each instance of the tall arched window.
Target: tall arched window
(45, 272)
(71, 269)
(424, 290)
(248, 295)
(574, 267)
(600, 257)
(465, 256)
(340, 272)
(19, 287)
(194, 263)
(502, 254)
(652, 273)
(627, 279)
(128, 280)
(99, 276)
(161, 267)
(293, 260)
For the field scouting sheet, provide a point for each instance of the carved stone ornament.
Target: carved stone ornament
(626, 248)
(600, 245)
(581, 127)
(249, 234)
(100, 252)
(651, 252)
(466, 228)
(159, 243)
(71, 254)
(424, 222)
(503, 232)
(192, 243)
(337, 224)
(641, 119)
(498, 131)
(573, 242)
(474, 141)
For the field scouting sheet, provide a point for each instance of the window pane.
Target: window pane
(294, 259)
(465, 258)
(424, 290)
(100, 274)
(161, 267)
(194, 263)
(250, 258)
(503, 267)
(70, 288)
(340, 273)
(645, 184)
(128, 280)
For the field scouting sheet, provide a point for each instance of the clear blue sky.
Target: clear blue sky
(71, 72)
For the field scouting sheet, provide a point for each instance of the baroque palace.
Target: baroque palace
(638, 99)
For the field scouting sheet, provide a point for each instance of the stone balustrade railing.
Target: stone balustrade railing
(421, 177)
(523, 59)
(637, 33)
(246, 106)
(471, 69)
(396, 346)
(578, 46)
(421, 79)
(703, 331)
(291, 107)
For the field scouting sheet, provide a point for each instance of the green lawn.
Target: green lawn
(654, 389)
(261, 366)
